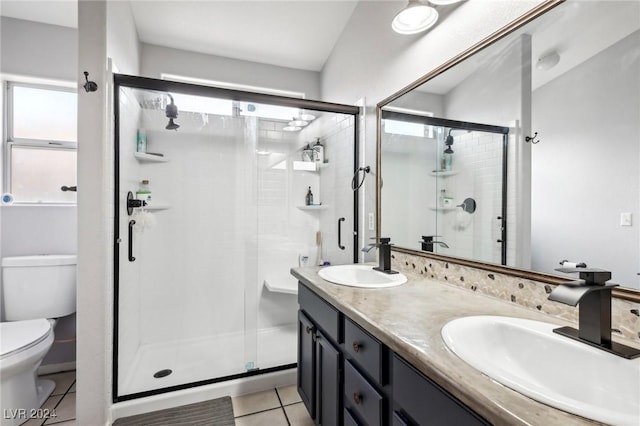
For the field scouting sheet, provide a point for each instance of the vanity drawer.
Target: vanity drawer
(425, 401)
(323, 314)
(365, 350)
(362, 398)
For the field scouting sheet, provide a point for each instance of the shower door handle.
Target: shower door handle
(340, 233)
(131, 223)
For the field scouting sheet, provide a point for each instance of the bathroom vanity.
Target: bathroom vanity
(376, 357)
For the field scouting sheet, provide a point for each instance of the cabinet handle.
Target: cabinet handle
(340, 246)
(357, 398)
(308, 329)
(315, 337)
(356, 346)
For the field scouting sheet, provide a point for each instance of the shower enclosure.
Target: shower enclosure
(204, 245)
(444, 186)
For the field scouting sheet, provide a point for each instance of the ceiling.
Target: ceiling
(292, 33)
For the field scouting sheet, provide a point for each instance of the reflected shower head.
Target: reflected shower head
(171, 112)
(171, 125)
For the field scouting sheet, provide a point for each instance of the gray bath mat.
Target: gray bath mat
(218, 412)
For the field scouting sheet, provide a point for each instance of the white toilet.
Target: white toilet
(35, 290)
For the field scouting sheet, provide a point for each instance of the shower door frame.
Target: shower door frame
(145, 83)
(464, 125)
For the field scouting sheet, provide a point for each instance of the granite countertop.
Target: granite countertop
(408, 320)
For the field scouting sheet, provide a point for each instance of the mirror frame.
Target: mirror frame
(621, 293)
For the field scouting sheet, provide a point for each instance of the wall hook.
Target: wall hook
(89, 86)
(532, 139)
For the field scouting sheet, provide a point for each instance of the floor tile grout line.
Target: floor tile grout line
(282, 407)
(258, 412)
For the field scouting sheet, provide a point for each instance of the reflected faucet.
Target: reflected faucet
(384, 254)
(428, 242)
(594, 317)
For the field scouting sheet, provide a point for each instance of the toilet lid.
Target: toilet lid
(15, 335)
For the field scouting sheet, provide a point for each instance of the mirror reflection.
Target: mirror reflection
(566, 89)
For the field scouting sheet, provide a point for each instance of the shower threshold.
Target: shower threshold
(206, 358)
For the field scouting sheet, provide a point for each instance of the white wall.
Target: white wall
(589, 150)
(371, 61)
(157, 60)
(38, 50)
(95, 198)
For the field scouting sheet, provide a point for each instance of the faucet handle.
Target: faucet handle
(591, 276)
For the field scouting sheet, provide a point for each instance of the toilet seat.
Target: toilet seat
(19, 336)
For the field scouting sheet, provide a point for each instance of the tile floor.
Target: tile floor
(274, 407)
(61, 403)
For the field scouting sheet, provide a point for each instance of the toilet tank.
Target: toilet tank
(42, 286)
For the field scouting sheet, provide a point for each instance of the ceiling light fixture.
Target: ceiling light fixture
(548, 60)
(296, 122)
(307, 117)
(291, 128)
(416, 17)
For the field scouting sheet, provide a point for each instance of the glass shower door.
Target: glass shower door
(187, 256)
(210, 218)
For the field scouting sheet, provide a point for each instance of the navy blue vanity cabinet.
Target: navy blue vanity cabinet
(346, 376)
(420, 401)
(319, 359)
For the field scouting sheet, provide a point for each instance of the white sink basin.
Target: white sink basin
(528, 357)
(360, 276)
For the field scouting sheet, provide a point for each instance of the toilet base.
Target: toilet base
(44, 389)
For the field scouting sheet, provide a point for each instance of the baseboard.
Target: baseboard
(56, 368)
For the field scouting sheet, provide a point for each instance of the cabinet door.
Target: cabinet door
(306, 363)
(328, 374)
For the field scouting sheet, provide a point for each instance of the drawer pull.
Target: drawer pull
(356, 346)
(357, 398)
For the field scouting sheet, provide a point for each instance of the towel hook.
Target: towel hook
(89, 86)
(532, 139)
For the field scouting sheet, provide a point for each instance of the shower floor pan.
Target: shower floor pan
(207, 358)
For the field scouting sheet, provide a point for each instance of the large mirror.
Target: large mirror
(554, 174)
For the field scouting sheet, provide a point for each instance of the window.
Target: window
(41, 143)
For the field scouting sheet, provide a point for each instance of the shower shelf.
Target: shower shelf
(157, 207)
(444, 209)
(320, 207)
(149, 158)
(285, 287)
(443, 173)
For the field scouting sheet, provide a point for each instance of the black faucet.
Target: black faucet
(384, 254)
(594, 317)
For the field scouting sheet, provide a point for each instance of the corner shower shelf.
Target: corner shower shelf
(443, 173)
(143, 157)
(285, 287)
(157, 207)
(320, 207)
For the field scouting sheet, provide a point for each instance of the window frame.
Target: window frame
(10, 141)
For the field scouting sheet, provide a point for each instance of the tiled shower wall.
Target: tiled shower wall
(478, 161)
